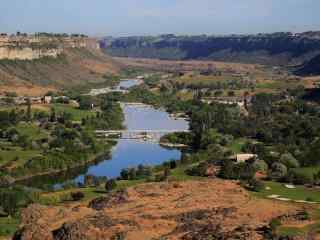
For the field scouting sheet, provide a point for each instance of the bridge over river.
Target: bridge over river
(145, 134)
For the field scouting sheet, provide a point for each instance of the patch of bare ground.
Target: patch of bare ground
(212, 209)
(311, 82)
(26, 89)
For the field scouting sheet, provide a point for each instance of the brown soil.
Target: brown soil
(26, 89)
(170, 210)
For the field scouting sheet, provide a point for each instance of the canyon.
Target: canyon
(277, 49)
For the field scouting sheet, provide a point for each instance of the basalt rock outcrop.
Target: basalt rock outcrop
(110, 200)
(212, 209)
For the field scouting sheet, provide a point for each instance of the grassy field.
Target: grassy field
(60, 196)
(291, 231)
(31, 130)
(307, 171)
(77, 114)
(206, 79)
(8, 226)
(179, 174)
(18, 154)
(298, 193)
(270, 84)
(237, 144)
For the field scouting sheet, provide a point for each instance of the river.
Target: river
(131, 153)
(127, 153)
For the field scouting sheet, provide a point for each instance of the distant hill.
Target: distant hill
(74, 67)
(311, 67)
(272, 49)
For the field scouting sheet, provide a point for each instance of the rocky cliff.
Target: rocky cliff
(31, 47)
(273, 49)
(28, 53)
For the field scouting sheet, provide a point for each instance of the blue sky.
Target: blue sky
(149, 17)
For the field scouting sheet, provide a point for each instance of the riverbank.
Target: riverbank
(93, 159)
(173, 145)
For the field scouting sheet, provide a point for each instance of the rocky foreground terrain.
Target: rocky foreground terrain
(212, 209)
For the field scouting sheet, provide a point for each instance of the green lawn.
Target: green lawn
(290, 231)
(90, 193)
(31, 130)
(178, 174)
(270, 85)
(77, 114)
(8, 226)
(23, 155)
(299, 193)
(237, 144)
(307, 171)
(9, 152)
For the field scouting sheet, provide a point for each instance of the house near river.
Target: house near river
(243, 157)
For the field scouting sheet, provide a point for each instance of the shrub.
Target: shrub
(278, 171)
(289, 160)
(309, 199)
(275, 223)
(173, 164)
(124, 174)
(110, 185)
(260, 165)
(199, 170)
(256, 185)
(77, 196)
(299, 177)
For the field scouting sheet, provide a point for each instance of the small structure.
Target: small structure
(47, 99)
(36, 100)
(74, 103)
(20, 100)
(243, 157)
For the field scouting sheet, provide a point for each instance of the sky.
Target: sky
(153, 17)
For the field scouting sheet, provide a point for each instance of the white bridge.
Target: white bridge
(138, 134)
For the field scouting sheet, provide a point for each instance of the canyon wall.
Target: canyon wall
(31, 48)
(27, 53)
(272, 49)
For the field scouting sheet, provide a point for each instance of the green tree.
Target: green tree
(28, 113)
(77, 196)
(289, 160)
(111, 184)
(278, 171)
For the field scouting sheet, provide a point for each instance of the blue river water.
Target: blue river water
(131, 153)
